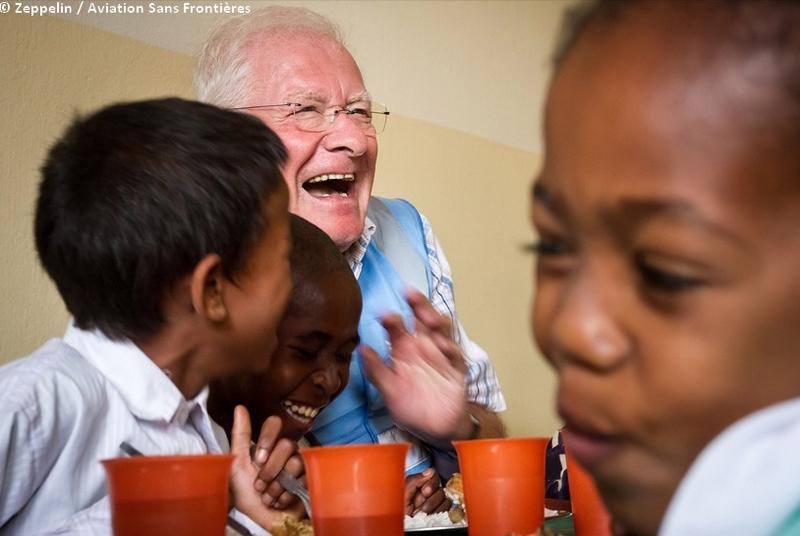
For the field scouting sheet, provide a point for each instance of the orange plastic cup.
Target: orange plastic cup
(503, 484)
(589, 514)
(356, 490)
(175, 495)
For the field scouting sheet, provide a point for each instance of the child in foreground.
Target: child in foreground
(164, 226)
(667, 284)
(310, 367)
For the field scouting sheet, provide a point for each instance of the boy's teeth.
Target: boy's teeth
(305, 412)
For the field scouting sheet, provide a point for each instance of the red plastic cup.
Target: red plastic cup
(356, 490)
(503, 484)
(589, 514)
(175, 495)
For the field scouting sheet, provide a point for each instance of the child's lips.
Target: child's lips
(591, 448)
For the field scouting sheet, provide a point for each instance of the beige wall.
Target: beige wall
(472, 186)
(51, 69)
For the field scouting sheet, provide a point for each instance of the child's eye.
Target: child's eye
(549, 246)
(343, 357)
(666, 281)
(304, 353)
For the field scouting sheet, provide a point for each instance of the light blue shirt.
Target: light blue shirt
(69, 405)
(358, 414)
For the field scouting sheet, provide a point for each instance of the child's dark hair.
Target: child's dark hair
(740, 28)
(133, 196)
(313, 256)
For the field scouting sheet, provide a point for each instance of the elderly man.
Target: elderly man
(288, 67)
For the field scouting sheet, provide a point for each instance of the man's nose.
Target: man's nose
(346, 134)
(585, 329)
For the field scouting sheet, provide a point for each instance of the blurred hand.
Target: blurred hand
(424, 494)
(424, 385)
(247, 477)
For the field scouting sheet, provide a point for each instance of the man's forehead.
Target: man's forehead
(317, 96)
(306, 66)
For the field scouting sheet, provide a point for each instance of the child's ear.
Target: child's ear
(207, 288)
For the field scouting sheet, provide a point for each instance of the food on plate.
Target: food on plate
(290, 526)
(454, 489)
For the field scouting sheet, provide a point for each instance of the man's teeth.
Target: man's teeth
(333, 176)
(300, 411)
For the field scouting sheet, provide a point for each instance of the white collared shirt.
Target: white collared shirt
(746, 481)
(69, 405)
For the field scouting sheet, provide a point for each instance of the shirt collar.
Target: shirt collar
(355, 253)
(147, 390)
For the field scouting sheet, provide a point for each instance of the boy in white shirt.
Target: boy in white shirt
(164, 226)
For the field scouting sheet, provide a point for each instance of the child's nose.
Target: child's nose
(585, 330)
(327, 378)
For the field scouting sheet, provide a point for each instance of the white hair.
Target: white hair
(222, 73)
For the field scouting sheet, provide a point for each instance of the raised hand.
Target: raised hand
(424, 385)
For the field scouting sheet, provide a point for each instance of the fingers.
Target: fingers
(377, 372)
(428, 315)
(412, 489)
(271, 455)
(437, 502)
(438, 327)
(278, 458)
(395, 327)
(424, 494)
(270, 431)
(240, 432)
(276, 495)
(451, 350)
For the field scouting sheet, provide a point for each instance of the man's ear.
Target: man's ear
(207, 288)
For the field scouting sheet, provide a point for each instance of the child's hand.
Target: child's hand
(424, 494)
(271, 455)
(244, 474)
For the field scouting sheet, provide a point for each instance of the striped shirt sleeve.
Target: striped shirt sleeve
(483, 387)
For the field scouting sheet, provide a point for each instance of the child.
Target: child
(311, 365)
(164, 226)
(316, 337)
(666, 283)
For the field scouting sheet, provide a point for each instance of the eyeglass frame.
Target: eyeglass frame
(336, 111)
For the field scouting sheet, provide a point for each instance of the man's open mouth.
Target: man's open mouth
(330, 184)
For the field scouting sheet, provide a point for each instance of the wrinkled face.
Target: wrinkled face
(258, 295)
(312, 362)
(329, 173)
(667, 296)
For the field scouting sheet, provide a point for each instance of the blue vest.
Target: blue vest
(358, 414)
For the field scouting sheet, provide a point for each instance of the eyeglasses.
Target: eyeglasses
(370, 116)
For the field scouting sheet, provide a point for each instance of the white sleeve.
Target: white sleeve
(254, 528)
(21, 471)
(483, 387)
